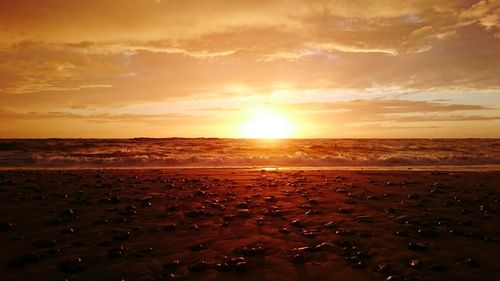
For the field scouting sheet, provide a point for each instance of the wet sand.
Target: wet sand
(249, 224)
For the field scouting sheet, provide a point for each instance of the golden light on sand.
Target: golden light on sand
(267, 124)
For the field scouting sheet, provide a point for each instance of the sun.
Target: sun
(267, 124)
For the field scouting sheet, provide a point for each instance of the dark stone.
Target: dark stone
(470, 262)
(298, 259)
(415, 264)
(384, 268)
(172, 264)
(241, 266)
(199, 267)
(414, 246)
(252, 251)
(323, 246)
(44, 243)
(330, 224)
(412, 196)
(53, 251)
(427, 232)
(402, 233)
(73, 265)
(297, 223)
(197, 247)
(167, 276)
(390, 210)
(4, 226)
(242, 205)
(344, 232)
(308, 233)
(115, 199)
(344, 211)
(223, 267)
(284, 230)
(116, 252)
(69, 230)
(169, 227)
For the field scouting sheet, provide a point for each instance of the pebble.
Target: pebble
(172, 264)
(273, 212)
(390, 210)
(241, 266)
(384, 268)
(243, 213)
(53, 251)
(143, 252)
(470, 262)
(68, 213)
(167, 276)
(102, 221)
(355, 261)
(298, 259)
(270, 199)
(308, 233)
(414, 246)
(364, 219)
(323, 246)
(412, 196)
(223, 267)
(69, 230)
(232, 264)
(45, 243)
(344, 211)
(115, 199)
(415, 264)
(242, 205)
(252, 251)
(172, 208)
(73, 265)
(120, 234)
(116, 252)
(4, 226)
(344, 232)
(330, 224)
(402, 233)
(170, 227)
(297, 223)
(311, 212)
(197, 247)
(427, 232)
(284, 230)
(199, 267)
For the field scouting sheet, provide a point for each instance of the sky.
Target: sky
(196, 68)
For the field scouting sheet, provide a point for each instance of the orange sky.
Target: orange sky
(353, 68)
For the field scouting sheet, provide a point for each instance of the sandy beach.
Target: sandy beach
(249, 224)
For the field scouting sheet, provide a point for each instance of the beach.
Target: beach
(249, 224)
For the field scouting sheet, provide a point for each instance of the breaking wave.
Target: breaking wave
(178, 152)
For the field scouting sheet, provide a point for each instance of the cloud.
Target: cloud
(104, 55)
(384, 111)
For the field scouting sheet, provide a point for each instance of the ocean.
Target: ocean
(214, 152)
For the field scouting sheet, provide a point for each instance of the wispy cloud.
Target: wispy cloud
(104, 55)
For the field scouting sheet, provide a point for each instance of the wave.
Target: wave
(88, 153)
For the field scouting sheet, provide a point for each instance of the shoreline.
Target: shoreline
(447, 168)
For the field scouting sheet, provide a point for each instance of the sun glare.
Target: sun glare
(267, 124)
